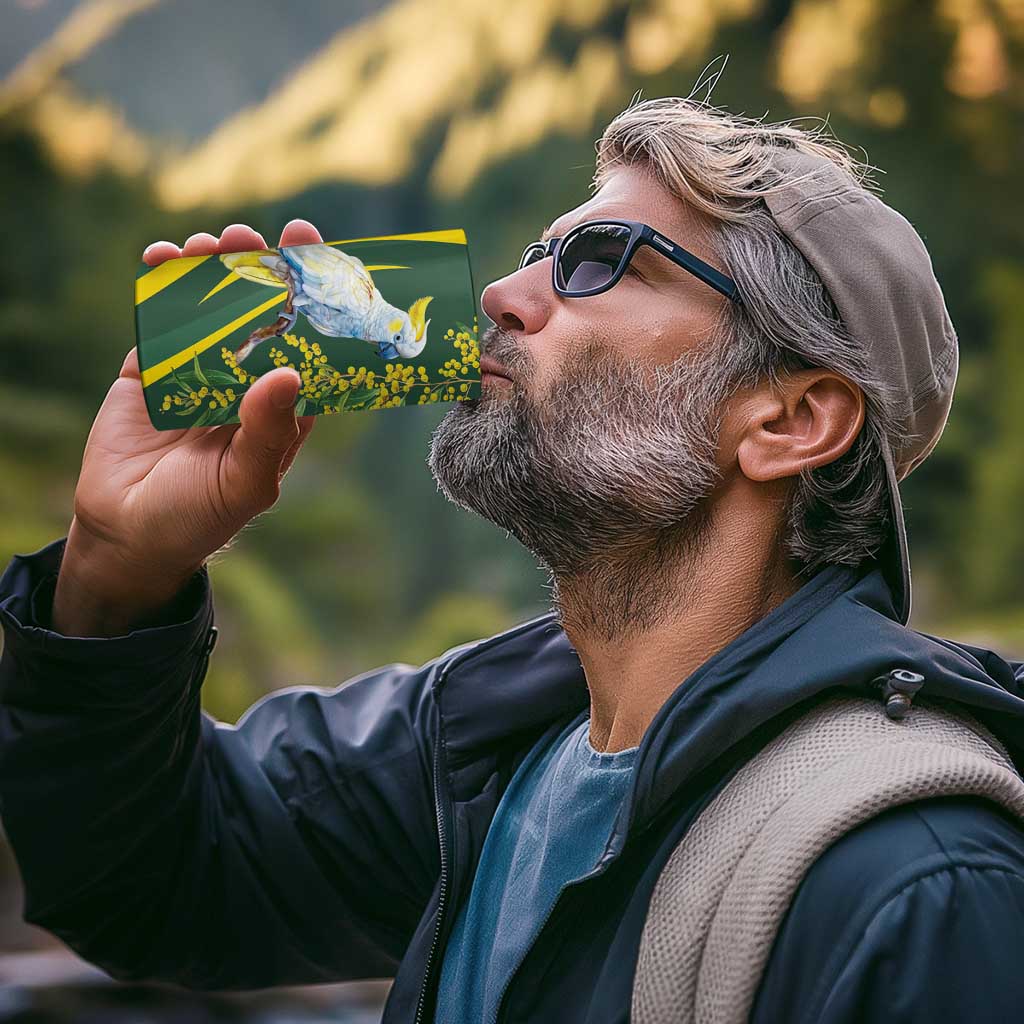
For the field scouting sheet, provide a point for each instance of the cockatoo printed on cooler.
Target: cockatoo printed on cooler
(336, 294)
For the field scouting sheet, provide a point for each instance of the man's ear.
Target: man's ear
(810, 421)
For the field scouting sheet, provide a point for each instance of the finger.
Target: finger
(202, 243)
(156, 252)
(130, 366)
(299, 232)
(305, 428)
(240, 238)
(267, 432)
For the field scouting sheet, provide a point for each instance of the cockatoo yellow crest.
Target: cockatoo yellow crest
(416, 313)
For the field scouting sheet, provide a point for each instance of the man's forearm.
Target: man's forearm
(99, 594)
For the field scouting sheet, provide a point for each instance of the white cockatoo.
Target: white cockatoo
(336, 294)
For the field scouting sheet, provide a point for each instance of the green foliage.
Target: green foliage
(362, 561)
(993, 541)
(453, 618)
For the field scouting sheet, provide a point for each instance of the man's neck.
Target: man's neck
(670, 616)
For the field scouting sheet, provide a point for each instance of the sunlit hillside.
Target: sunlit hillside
(441, 88)
(125, 121)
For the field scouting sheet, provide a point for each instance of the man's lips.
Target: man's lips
(489, 366)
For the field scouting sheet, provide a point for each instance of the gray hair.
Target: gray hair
(721, 165)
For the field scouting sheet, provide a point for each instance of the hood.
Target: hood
(836, 633)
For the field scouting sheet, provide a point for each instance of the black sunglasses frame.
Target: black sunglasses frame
(639, 234)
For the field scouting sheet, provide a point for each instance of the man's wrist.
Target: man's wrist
(101, 593)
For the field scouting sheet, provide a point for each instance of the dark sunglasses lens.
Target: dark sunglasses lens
(531, 254)
(591, 255)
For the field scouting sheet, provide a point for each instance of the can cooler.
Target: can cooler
(369, 323)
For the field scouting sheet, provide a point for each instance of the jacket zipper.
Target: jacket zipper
(443, 886)
(439, 807)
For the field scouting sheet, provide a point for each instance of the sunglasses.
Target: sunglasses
(594, 255)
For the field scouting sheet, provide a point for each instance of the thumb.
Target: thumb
(269, 429)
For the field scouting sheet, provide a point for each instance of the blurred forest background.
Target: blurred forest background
(127, 121)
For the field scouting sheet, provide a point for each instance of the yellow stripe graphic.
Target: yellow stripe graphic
(456, 236)
(231, 276)
(157, 279)
(160, 370)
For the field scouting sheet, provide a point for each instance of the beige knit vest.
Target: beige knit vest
(722, 894)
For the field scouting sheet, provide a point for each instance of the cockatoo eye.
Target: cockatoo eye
(398, 336)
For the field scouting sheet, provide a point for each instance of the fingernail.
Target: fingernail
(285, 392)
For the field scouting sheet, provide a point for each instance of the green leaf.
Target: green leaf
(358, 395)
(300, 407)
(189, 381)
(198, 369)
(220, 379)
(360, 400)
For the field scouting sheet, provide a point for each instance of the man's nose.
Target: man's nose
(520, 301)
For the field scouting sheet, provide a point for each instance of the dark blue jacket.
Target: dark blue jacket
(332, 833)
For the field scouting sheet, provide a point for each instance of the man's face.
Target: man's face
(656, 312)
(604, 440)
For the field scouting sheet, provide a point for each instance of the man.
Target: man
(695, 410)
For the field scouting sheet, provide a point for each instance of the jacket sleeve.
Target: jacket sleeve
(913, 918)
(298, 846)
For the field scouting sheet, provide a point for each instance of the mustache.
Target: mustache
(501, 345)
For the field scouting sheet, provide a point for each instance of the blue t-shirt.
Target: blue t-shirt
(550, 827)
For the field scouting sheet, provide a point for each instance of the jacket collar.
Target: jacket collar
(839, 631)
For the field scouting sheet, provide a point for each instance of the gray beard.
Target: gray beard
(605, 479)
